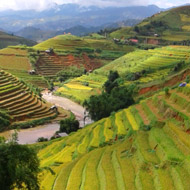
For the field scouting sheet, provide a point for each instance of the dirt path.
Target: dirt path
(67, 104)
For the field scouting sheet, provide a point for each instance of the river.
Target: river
(29, 136)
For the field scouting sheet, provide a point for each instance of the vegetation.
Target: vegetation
(69, 125)
(23, 103)
(4, 120)
(168, 27)
(19, 166)
(113, 99)
(8, 40)
(70, 72)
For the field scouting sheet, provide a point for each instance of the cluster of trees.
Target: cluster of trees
(69, 125)
(154, 26)
(19, 166)
(113, 98)
(70, 72)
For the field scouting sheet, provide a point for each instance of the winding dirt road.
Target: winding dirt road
(29, 136)
(67, 104)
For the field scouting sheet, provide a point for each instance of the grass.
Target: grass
(101, 175)
(119, 123)
(108, 130)
(132, 120)
(91, 180)
(118, 172)
(158, 65)
(145, 149)
(25, 108)
(75, 180)
(155, 158)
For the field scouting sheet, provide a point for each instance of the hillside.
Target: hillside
(91, 52)
(15, 60)
(145, 68)
(139, 147)
(22, 102)
(8, 40)
(172, 26)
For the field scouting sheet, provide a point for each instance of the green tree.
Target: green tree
(19, 166)
(101, 106)
(112, 81)
(69, 125)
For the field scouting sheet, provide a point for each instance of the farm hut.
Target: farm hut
(54, 108)
(32, 72)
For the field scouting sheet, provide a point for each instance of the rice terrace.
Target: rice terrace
(95, 96)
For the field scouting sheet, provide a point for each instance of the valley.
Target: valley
(116, 103)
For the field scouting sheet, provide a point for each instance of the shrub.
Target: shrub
(42, 139)
(188, 79)
(70, 72)
(19, 167)
(4, 120)
(166, 91)
(69, 125)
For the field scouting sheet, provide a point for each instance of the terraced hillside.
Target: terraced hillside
(101, 48)
(15, 60)
(143, 147)
(49, 64)
(158, 66)
(22, 105)
(162, 28)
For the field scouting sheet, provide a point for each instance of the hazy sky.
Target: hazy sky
(43, 4)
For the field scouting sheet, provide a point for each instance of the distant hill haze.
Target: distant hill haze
(62, 17)
(12, 40)
(39, 35)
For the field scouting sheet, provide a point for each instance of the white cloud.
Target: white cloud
(44, 4)
(25, 4)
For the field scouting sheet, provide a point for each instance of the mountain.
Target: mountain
(172, 26)
(39, 35)
(62, 17)
(35, 34)
(10, 39)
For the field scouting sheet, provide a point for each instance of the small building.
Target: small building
(134, 41)
(32, 72)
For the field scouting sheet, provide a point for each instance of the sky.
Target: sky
(44, 4)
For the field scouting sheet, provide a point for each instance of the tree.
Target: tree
(101, 106)
(112, 81)
(69, 125)
(19, 166)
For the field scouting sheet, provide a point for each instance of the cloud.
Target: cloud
(26, 4)
(105, 3)
(44, 4)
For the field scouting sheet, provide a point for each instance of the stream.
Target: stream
(29, 136)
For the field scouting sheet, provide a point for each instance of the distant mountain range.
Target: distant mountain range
(68, 17)
(39, 35)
